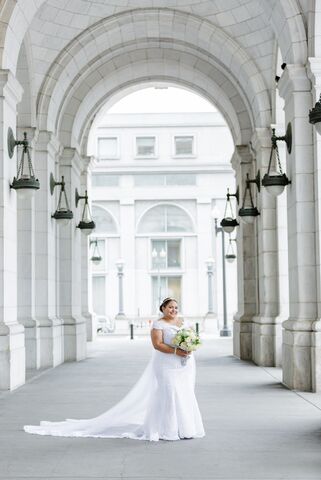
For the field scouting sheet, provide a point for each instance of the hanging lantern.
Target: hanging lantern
(25, 183)
(63, 214)
(96, 258)
(315, 116)
(230, 255)
(248, 211)
(275, 180)
(86, 223)
(228, 223)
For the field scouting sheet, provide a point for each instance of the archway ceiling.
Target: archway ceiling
(59, 21)
(239, 37)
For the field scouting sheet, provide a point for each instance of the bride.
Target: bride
(161, 405)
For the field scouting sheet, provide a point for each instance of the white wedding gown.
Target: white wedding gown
(161, 405)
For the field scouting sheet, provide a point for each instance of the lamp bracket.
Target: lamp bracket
(287, 138)
(54, 184)
(236, 195)
(256, 180)
(12, 142)
(80, 197)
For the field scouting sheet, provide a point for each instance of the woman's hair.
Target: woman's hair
(165, 302)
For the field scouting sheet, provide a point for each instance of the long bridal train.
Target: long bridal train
(161, 405)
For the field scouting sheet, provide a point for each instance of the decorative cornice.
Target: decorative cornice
(294, 79)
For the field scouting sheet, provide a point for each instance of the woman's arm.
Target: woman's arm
(158, 344)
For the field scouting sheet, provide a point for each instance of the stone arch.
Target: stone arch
(207, 48)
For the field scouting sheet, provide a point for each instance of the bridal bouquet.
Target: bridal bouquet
(188, 340)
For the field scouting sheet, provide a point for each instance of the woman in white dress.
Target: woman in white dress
(161, 405)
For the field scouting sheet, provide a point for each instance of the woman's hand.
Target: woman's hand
(182, 353)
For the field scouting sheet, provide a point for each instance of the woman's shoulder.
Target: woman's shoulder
(158, 324)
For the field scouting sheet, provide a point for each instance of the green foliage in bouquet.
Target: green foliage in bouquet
(187, 339)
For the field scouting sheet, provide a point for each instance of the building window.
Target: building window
(165, 286)
(145, 146)
(108, 148)
(103, 220)
(184, 145)
(171, 254)
(175, 179)
(99, 295)
(165, 218)
(104, 180)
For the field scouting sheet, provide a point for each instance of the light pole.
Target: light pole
(120, 274)
(210, 265)
(225, 331)
(158, 257)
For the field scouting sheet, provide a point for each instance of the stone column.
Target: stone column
(266, 330)
(295, 88)
(246, 266)
(12, 346)
(85, 257)
(70, 238)
(314, 72)
(26, 265)
(47, 336)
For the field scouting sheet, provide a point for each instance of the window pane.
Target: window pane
(149, 180)
(181, 179)
(173, 253)
(100, 250)
(163, 287)
(165, 218)
(98, 295)
(103, 220)
(177, 220)
(159, 261)
(183, 145)
(145, 146)
(153, 221)
(174, 289)
(103, 180)
(107, 147)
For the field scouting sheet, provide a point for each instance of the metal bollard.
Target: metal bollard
(132, 331)
(197, 327)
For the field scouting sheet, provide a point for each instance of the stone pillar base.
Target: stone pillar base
(266, 342)
(31, 342)
(91, 326)
(12, 356)
(297, 354)
(75, 338)
(51, 350)
(242, 337)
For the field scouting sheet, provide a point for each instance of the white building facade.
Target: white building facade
(155, 182)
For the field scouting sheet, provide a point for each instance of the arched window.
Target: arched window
(103, 220)
(165, 218)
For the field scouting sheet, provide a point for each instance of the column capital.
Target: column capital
(71, 157)
(294, 79)
(261, 138)
(10, 87)
(242, 155)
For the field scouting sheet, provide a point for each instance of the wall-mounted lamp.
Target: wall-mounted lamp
(248, 211)
(315, 116)
(86, 223)
(229, 222)
(230, 254)
(25, 183)
(63, 213)
(275, 180)
(96, 258)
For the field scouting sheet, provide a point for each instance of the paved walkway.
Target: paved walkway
(256, 428)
